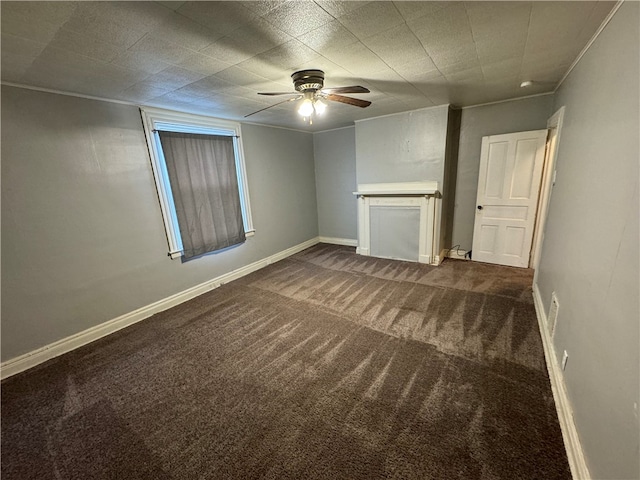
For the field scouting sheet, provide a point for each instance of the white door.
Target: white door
(510, 171)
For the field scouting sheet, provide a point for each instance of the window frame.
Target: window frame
(156, 119)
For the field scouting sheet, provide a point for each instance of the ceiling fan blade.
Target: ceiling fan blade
(274, 105)
(278, 93)
(356, 102)
(352, 89)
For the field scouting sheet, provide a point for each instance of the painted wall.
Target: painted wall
(82, 234)
(405, 147)
(590, 251)
(477, 122)
(335, 161)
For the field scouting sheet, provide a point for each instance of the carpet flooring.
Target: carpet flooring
(326, 365)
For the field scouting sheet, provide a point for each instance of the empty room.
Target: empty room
(320, 240)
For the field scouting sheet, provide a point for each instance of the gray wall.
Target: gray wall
(335, 160)
(405, 147)
(477, 122)
(590, 250)
(82, 235)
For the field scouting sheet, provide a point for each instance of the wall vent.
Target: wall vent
(553, 314)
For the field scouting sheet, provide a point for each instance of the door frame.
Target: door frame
(546, 186)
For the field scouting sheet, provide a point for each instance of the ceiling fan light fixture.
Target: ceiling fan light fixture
(306, 107)
(319, 106)
(311, 97)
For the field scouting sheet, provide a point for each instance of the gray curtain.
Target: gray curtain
(204, 182)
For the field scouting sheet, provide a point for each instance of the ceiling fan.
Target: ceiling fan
(309, 89)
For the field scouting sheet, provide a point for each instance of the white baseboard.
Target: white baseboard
(339, 241)
(426, 259)
(577, 462)
(55, 349)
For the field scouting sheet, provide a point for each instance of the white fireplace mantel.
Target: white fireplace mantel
(422, 195)
(397, 189)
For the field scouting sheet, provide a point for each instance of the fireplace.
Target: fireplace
(398, 220)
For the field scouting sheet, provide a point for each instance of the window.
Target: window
(184, 137)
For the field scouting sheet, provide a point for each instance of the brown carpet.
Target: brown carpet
(326, 365)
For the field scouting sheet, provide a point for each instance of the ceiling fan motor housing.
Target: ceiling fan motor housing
(308, 80)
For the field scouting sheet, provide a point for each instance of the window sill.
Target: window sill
(174, 255)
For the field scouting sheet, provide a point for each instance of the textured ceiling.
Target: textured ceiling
(213, 57)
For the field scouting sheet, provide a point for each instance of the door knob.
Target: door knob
(479, 207)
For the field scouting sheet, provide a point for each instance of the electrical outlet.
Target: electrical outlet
(565, 357)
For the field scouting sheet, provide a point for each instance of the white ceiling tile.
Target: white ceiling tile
(240, 77)
(416, 9)
(495, 48)
(263, 7)
(105, 87)
(171, 4)
(557, 20)
(418, 69)
(332, 71)
(221, 17)
(141, 15)
(175, 77)
(143, 91)
(330, 36)
(496, 70)
(205, 87)
(338, 8)
(490, 19)
(71, 60)
(433, 86)
(81, 69)
(297, 18)
(157, 48)
(373, 18)
(600, 11)
(259, 66)
(21, 46)
(199, 63)
(438, 91)
(470, 76)
(38, 31)
(185, 32)
(416, 102)
(544, 74)
(50, 75)
(464, 53)
(504, 83)
(357, 59)
(454, 68)
(86, 45)
(543, 59)
(288, 56)
(396, 46)
(56, 13)
(451, 23)
(245, 42)
(137, 60)
(86, 19)
(176, 96)
(14, 66)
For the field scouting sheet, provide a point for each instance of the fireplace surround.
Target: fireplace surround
(417, 196)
